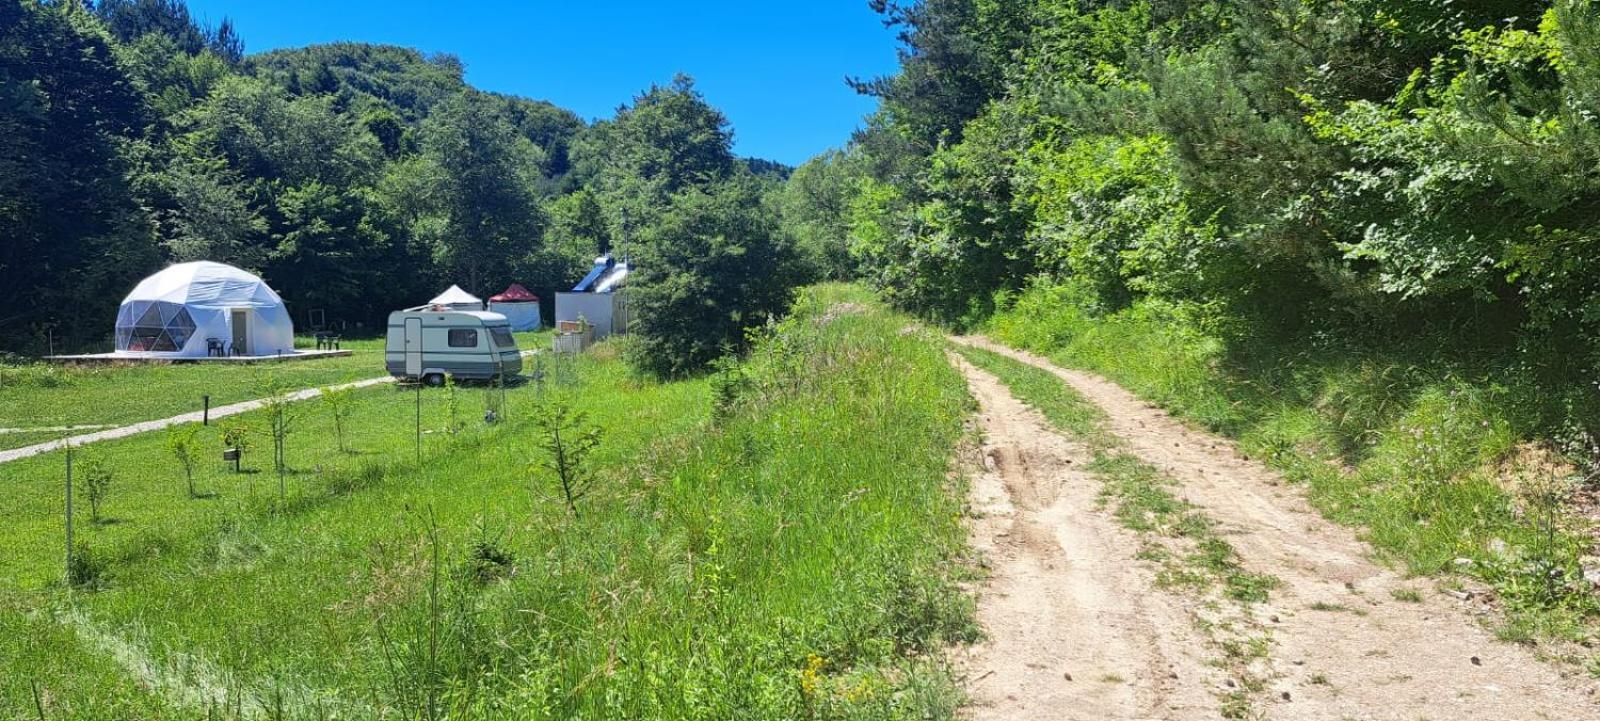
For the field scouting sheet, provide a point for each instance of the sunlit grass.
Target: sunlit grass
(817, 519)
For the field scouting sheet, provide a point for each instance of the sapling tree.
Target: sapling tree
(94, 480)
(339, 402)
(236, 435)
(183, 444)
(280, 416)
(566, 439)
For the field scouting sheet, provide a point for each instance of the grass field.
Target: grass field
(43, 395)
(773, 542)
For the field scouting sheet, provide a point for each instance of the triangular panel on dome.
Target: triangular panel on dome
(150, 318)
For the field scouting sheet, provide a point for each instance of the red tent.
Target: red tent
(514, 294)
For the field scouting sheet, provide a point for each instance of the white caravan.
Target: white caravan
(428, 344)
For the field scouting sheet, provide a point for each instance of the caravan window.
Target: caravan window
(463, 338)
(502, 338)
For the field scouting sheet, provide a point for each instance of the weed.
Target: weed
(728, 382)
(87, 569)
(452, 405)
(488, 558)
(1406, 594)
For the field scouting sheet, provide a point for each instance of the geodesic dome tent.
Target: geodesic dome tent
(187, 308)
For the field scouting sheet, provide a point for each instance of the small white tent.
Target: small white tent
(457, 299)
(188, 308)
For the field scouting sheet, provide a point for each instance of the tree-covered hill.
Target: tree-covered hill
(355, 178)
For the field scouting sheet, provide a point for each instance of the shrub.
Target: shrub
(236, 434)
(338, 402)
(94, 481)
(182, 443)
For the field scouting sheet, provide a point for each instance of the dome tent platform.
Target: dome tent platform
(143, 359)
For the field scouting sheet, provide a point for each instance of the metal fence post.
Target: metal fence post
(69, 514)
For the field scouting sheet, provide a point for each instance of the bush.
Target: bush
(711, 267)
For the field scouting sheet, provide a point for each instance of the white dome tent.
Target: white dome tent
(190, 308)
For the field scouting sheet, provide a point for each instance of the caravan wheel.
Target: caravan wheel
(434, 379)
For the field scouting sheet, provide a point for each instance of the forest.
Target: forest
(1408, 184)
(356, 179)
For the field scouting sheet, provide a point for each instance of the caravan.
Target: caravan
(431, 342)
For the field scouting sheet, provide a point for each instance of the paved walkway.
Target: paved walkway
(54, 429)
(195, 417)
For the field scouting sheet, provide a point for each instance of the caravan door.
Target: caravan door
(413, 347)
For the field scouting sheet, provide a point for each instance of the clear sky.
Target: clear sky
(776, 69)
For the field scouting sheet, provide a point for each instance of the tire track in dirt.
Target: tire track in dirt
(1344, 646)
(1075, 629)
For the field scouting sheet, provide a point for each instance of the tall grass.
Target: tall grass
(790, 558)
(1424, 443)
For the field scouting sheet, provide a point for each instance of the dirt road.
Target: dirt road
(1066, 592)
(1074, 631)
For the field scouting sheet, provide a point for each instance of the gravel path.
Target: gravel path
(156, 425)
(195, 417)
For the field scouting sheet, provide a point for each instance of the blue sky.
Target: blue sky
(776, 69)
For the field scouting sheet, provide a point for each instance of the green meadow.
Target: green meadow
(778, 540)
(41, 395)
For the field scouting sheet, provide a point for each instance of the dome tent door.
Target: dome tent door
(240, 323)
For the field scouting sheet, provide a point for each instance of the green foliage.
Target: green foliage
(74, 238)
(567, 439)
(338, 401)
(485, 195)
(814, 206)
(669, 140)
(184, 445)
(236, 434)
(94, 479)
(711, 267)
(355, 178)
